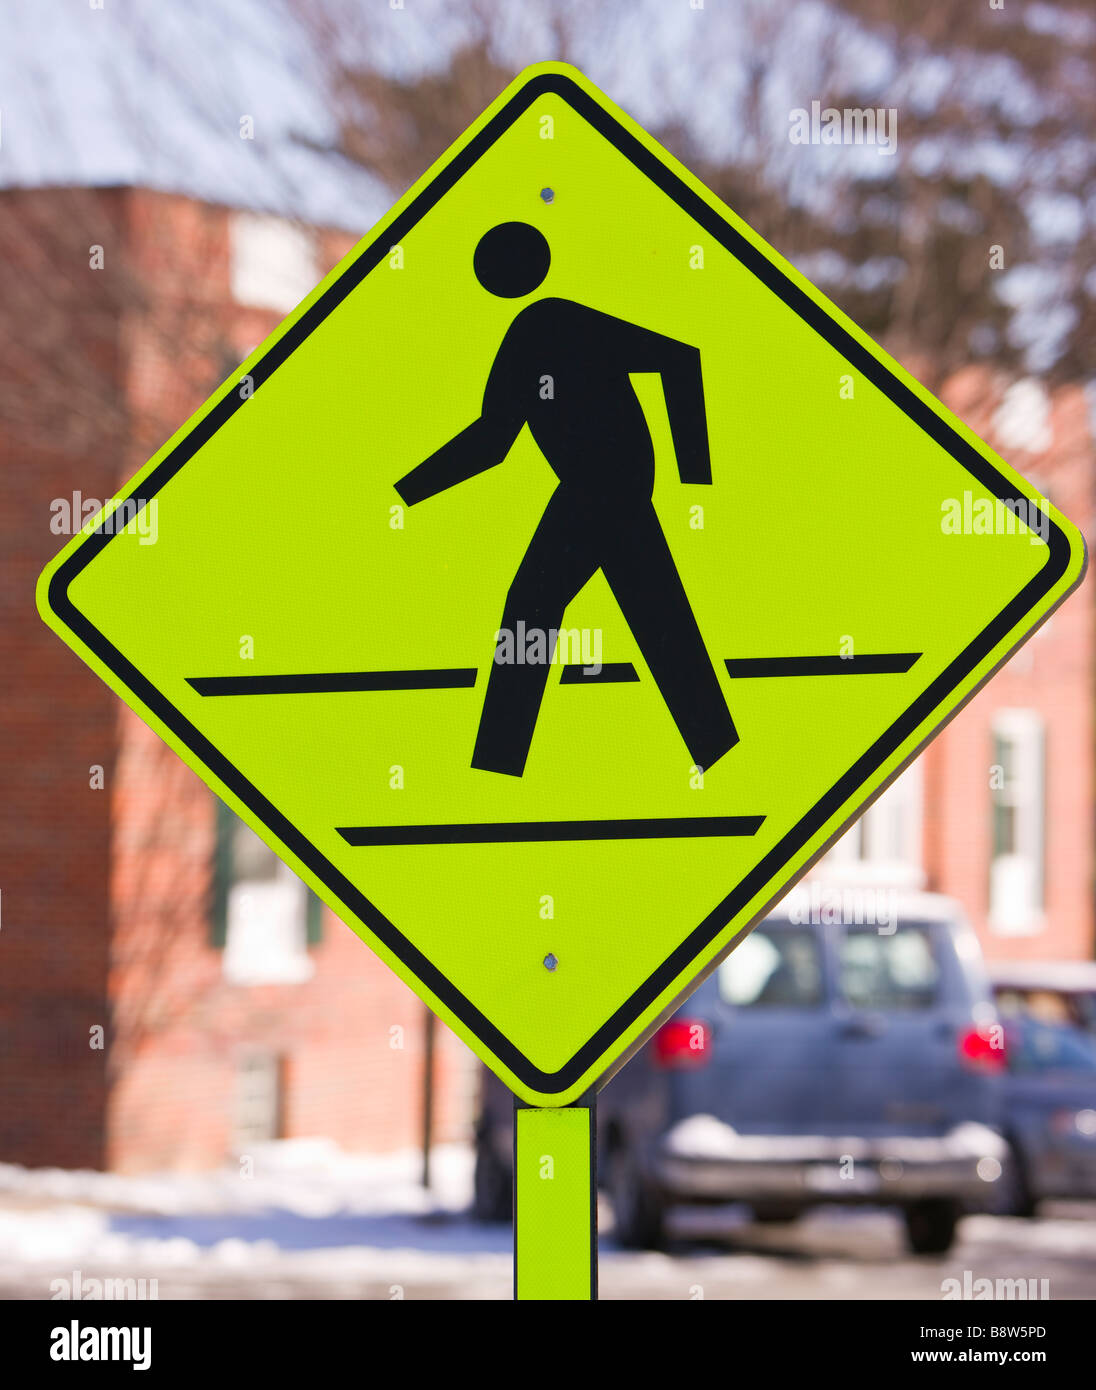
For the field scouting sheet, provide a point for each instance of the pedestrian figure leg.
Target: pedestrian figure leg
(555, 567)
(641, 572)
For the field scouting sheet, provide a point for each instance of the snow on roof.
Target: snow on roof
(155, 94)
(144, 93)
(1067, 975)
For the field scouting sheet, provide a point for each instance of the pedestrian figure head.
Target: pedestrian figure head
(511, 259)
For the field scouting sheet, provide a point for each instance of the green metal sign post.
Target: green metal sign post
(555, 1202)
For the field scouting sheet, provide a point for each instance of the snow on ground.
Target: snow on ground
(314, 1222)
(309, 1177)
(308, 1211)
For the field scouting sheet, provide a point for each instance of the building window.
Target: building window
(257, 1106)
(1018, 800)
(272, 263)
(884, 845)
(1022, 420)
(264, 917)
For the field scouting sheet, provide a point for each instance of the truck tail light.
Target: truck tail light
(983, 1049)
(683, 1043)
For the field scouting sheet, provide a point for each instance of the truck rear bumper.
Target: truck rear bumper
(703, 1159)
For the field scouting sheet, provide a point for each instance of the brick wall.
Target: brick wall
(105, 891)
(1053, 674)
(350, 1037)
(62, 421)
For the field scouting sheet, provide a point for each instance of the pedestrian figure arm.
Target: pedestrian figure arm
(479, 446)
(683, 387)
(678, 364)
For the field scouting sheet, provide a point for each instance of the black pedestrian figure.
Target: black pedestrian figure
(562, 368)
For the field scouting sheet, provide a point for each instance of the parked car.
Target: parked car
(1054, 991)
(819, 1063)
(1050, 1114)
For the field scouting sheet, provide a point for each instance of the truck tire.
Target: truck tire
(639, 1211)
(1015, 1197)
(931, 1225)
(492, 1185)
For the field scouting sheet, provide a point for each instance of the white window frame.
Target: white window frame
(257, 1099)
(894, 821)
(272, 262)
(266, 928)
(1017, 888)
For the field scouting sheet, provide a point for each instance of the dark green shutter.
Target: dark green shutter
(222, 876)
(1044, 807)
(315, 919)
(998, 809)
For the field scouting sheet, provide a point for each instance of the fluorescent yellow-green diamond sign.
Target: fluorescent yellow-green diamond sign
(559, 579)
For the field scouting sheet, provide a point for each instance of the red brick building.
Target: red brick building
(1009, 790)
(139, 1025)
(999, 810)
